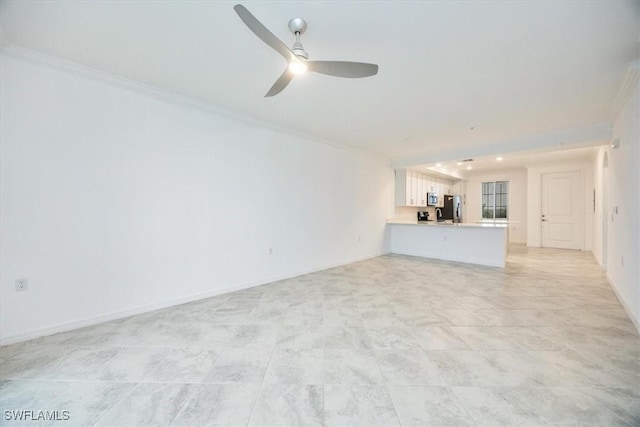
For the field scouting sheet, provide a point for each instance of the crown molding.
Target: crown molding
(83, 71)
(627, 86)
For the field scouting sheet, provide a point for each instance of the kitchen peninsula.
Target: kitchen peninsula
(484, 244)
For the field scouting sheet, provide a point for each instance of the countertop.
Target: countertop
(405, 221)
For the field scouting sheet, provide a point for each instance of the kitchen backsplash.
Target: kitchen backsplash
(410, 212)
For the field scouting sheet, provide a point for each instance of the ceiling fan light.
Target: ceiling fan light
(297, 67)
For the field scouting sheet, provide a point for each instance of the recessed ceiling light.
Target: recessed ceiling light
(438, 164)
(469, 168)
(499, 159)
(459, 163)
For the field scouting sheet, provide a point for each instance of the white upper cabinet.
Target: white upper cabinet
(418, 194)
(440, 192)
(415, 184)
(409, 192)
(456, 188)
(421, 195)
(405, 185)
(442, 187)
(412, 188)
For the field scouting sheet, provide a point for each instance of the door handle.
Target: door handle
(544, 220)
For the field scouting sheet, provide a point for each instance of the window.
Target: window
(495, 199)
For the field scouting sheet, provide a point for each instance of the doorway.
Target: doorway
(561, 216)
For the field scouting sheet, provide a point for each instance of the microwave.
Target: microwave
(432, 199)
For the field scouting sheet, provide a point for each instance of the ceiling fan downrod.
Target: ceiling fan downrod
(298, 26)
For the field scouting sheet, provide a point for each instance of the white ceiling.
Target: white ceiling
(509, 69)
(518, 160)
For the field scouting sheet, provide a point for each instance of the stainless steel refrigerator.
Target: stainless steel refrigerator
(452, 208)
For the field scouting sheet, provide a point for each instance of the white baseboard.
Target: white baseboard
(89, 321)
(634, 320)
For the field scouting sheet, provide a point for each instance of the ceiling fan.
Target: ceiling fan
(298, 58)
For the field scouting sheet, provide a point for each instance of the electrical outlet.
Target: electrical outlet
(359, 238)
(22, 284)
(270, 251)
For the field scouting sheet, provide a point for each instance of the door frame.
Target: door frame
(605, 210)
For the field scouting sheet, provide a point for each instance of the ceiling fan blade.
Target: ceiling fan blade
(343, 68)
(262, 32)
(281, 83)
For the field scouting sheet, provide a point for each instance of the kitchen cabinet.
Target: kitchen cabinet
(426, 187)
(457, 188)
(411, 188)
(418, 193)
(408, 201)
(429, 182)
(443, 187)
(415, 183)
(440, 191)
(404, 188)
(421, 193)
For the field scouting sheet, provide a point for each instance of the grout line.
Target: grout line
(133, 387)
(186, 403)
(260, 388)
(393, 404)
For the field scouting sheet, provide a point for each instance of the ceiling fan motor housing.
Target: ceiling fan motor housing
(298, 26)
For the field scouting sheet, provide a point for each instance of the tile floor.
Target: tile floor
(390, 341)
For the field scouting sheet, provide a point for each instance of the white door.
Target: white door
(561, 217)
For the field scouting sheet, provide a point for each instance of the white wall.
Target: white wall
(623, 193)
(116, 201)
(534, 191)
(517, 209)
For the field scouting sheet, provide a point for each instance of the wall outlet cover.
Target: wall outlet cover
(22, 284)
